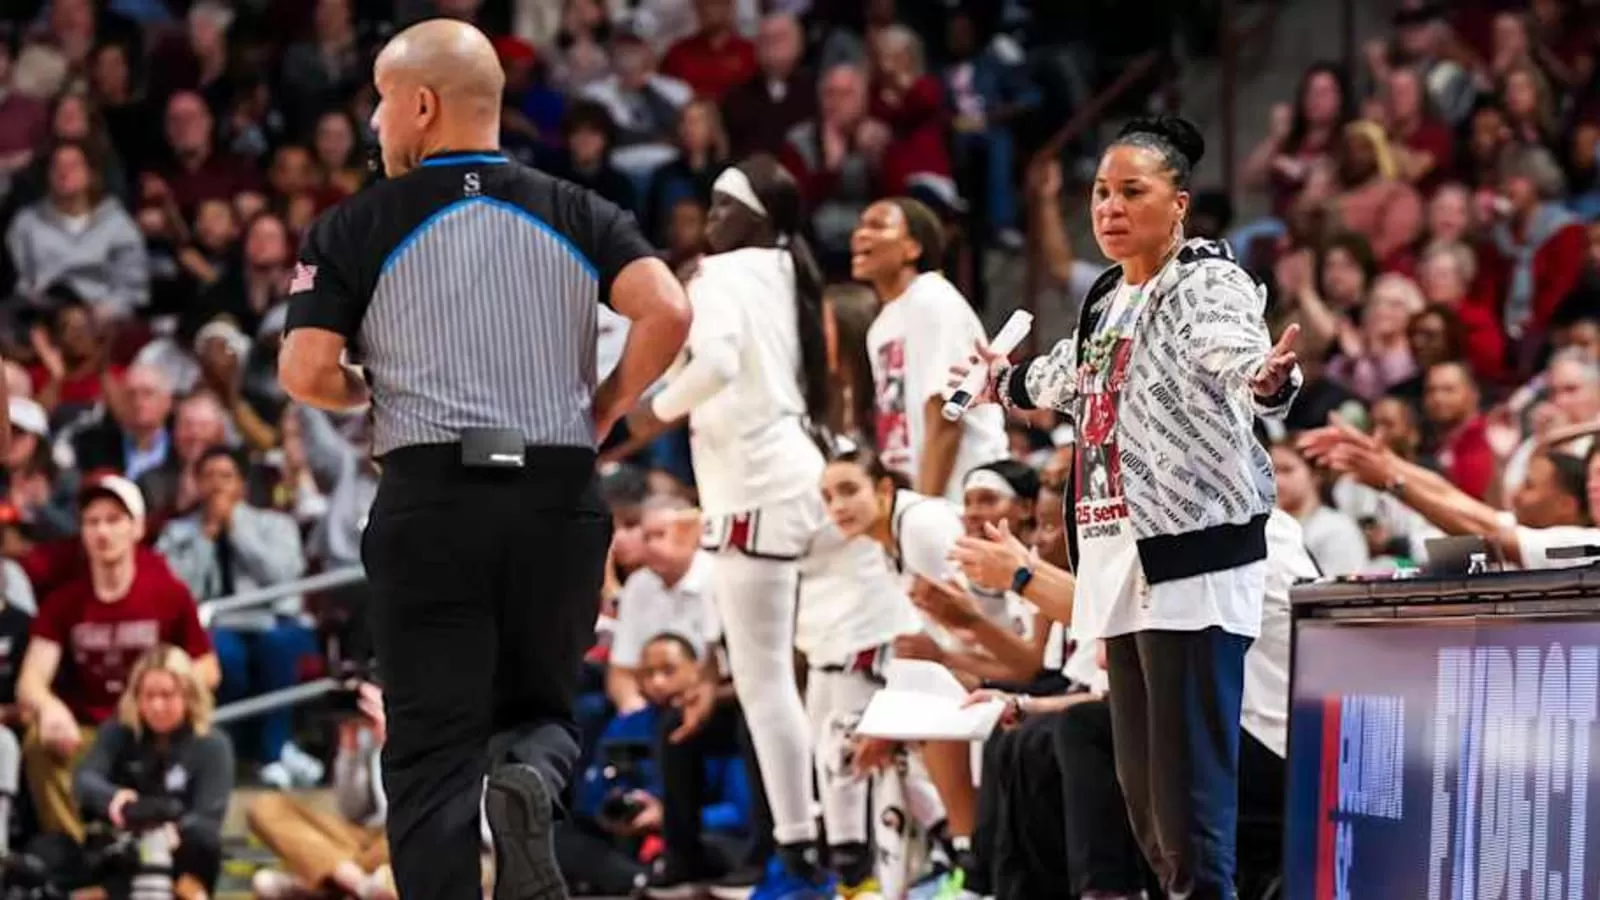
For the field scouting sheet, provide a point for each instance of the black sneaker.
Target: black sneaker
(521, 813)
(668, 884)
(738, 884)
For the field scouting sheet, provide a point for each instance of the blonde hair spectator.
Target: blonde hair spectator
(198, 702)
(1397, 289)
(1446, 272)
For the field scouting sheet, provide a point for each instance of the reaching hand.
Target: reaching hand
(946, 602)
(44, 347)
(369, 699)
(1282, 121)
(697, 704)
(1348, 451)
(650, 815)
(1279, 366)
(1044, 179)
(1013, 711)
(918, 646)
(119, 802)
(992, 560)
(871, 755)
(59, 730)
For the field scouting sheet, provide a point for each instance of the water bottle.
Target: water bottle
(1478, 564)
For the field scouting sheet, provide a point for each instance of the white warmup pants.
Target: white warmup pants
(756, 580)
(835, 699)
(906, 807)
(902, 803)
(756, 600)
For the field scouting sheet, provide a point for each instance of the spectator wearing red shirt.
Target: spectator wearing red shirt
(1460, 432)
(715, 59)
(199, 171)
(762, 110)
(1541, 246)
(1447, 274)
(24, 121)
(1423, 146)
(72, 371)
(86, 639)
(911, 103)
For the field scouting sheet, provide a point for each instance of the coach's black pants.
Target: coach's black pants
(1175, 703)
(485, 589)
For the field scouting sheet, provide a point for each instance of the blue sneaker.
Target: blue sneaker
(781, 884)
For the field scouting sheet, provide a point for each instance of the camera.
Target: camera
(344, 702)
(622, 770)
(142, 851)
(619, 807)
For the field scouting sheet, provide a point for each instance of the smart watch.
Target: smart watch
(1021, 578)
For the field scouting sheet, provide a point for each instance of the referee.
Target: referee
(468, 287)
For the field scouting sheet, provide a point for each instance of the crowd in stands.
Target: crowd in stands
(1429, 229)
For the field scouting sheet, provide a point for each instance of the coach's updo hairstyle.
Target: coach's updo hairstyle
(1174, 138)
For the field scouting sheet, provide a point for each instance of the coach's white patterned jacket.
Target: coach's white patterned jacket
(1199, 487)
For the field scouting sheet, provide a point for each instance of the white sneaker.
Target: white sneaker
(271, 884)
(305, 770)
(276, 775)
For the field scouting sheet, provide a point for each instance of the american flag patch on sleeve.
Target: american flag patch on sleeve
(304, 279)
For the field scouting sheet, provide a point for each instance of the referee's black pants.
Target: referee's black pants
(485, 590)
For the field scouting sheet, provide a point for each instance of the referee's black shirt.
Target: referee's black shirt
(468, 288)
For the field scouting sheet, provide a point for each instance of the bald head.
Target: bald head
(450, 57)
(440, 87)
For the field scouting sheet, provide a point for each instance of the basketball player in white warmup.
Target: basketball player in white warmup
(756, 377)
(852, 607)
(865, 500)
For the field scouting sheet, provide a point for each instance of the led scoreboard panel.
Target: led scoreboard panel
(1442, 740)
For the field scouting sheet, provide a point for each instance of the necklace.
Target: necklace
(1099, 349)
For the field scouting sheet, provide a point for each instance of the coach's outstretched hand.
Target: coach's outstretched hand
(1279, 365)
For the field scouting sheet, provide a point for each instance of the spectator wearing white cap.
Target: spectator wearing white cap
(35, 487)
(30, 426)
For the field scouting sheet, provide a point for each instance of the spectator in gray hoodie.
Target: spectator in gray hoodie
(79, 236)
(227, 546)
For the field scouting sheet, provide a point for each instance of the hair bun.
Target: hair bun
(1176, 130)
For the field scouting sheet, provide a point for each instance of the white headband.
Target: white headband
(736, 184)
(990, 480)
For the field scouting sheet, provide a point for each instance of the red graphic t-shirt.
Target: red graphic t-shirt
(893, 427)
(101, 641)
(1109, 572)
